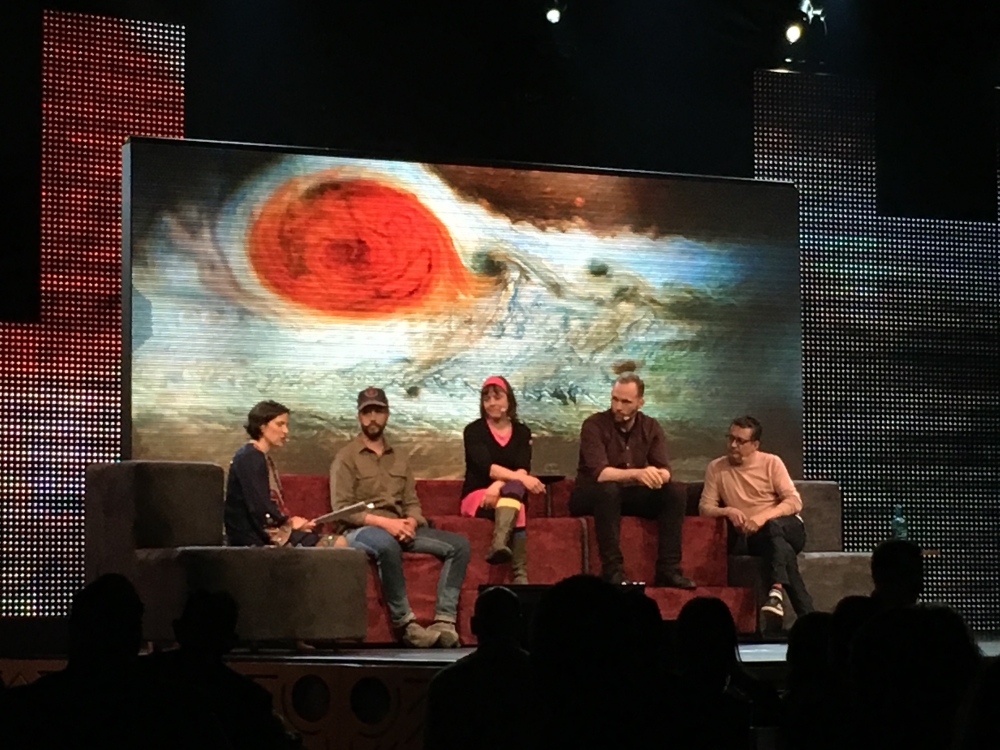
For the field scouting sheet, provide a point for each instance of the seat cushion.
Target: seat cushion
(703, 546)
(555, 548)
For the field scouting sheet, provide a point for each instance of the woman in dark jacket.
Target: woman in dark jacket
(255, 513)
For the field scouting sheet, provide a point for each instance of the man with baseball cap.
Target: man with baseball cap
(369, 470)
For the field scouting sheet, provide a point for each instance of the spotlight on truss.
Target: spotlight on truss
(554, 13)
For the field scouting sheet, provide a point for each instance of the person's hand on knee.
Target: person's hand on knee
(650, 476)
(737, 518)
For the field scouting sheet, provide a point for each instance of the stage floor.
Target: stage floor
(750, 653)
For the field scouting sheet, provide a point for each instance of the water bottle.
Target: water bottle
(898, 523)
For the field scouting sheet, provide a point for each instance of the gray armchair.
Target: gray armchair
(160, 523)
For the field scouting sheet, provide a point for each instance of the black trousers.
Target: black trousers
(608, 501)
(778, 542)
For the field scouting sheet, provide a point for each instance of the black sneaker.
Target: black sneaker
(773, 608)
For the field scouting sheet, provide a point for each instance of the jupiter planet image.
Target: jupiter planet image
(305, 278)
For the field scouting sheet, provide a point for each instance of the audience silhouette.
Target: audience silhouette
(604, 670)
(588, 689)
(205, 632)
(898, 573)
(911, 668)
(102, 699)
(479, 701)
(809, 706)
(721, 702)
(978, 728)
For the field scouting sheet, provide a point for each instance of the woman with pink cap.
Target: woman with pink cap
(497, 474)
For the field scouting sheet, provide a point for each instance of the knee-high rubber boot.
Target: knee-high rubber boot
(519, 557)
(503, 525)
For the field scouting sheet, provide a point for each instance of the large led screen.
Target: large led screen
(305, 277)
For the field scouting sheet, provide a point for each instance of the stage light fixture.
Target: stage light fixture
(803, 30)
(812, 13)
(553, 14)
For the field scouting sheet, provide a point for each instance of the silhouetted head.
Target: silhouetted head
(208, 623)
(898, 573)
(105, 623)
(849, 616)
(579, 627)
(706, 640)
(497, 616)
(978, 728)
(808, 654)
(910, 669)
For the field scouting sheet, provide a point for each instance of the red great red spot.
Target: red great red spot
(354, 248)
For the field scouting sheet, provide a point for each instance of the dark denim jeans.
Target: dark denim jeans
(452, 548)
(779, 541)
(607, 502)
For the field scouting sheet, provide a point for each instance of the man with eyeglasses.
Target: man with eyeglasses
(753, 491)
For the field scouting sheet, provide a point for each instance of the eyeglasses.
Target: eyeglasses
(738, 440)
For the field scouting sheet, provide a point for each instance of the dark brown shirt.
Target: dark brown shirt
(602, 444)
(358, 474)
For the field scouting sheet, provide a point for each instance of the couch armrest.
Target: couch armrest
(149, 504)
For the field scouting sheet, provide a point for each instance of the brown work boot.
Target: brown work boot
(414, 634)
(448, 635)
(519, 558)
(503, 525)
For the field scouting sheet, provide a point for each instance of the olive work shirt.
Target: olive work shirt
(359, 474)
(603, 444)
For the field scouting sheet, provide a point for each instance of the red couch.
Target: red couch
(558, 546)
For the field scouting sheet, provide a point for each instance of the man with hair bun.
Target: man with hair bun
(624, 469)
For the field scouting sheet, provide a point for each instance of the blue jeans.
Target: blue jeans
(451, 548)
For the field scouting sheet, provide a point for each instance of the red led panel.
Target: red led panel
(103, 79)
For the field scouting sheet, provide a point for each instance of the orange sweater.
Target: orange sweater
(760, 483)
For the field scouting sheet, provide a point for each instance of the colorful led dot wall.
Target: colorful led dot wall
(900, 321)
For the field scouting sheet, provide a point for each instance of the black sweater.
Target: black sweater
(482, 451)
(249, 506)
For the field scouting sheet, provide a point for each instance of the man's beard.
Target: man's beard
(373, 431)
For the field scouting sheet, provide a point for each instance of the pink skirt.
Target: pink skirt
(472, 502)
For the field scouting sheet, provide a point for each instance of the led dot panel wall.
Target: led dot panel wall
(60, 380)
(900, 344)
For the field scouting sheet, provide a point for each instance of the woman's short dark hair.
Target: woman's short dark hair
(511, 401)
(748, 421)
(261, 414)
